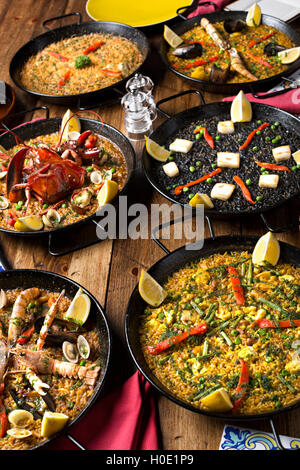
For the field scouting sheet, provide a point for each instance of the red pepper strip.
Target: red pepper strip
(65, 79)
(196, 63)
(58, 56)
(272, 166)
(25, 336)
(207, 136)
(167, 343)
(82, 138)
(236, 285)
(256, 41)
(252, 134)
(178, 190)
(242, 385)
(90, 141)
(265, 323)
(259, 60)
(93, 47)
(245, 190)
(110, 72)
(4, 168)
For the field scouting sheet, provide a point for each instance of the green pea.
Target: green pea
(258, 132)
(89, 168)
(168, 188)
(276, 123)
(278, 137)
(237, 340)
(265, 172)
(45, 206)
(235, 332)
(255, 149)
(213, 165)
(268, 359)
(20, 203)
(259, 121)
(239, 140)
(273, 127)
(262, 332)
(82, 363)
(192, 169)
(259, 198)
(217, 137)
(294, 168)
(174, 186)
(199, 163)
(267, 139)
(197, 300)
(191, 196)
(274, 141)
(31, 305)
(262, 169)
(285, 372)
(113, 170)
(64, 205)
(170, 159)
(248, 182)
(209, 180)
(198, 136)
(185, 189)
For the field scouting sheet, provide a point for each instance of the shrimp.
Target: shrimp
(48, 321)
(17, 318)
(43, 364)
(214, 34)
(238, 66)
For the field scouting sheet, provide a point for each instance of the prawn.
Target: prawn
(17, 319)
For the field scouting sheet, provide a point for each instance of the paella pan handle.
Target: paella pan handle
(191, 9)
(20, 113)
(280, 229)
(277, 438)
(274, 93)
(155, 232)
(80, 446)
(60, 17)
(111, 101)
(164, 100)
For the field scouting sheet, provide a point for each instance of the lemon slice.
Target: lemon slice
(79, 308)
(30, 223)
(108, 191)
(218, 401)
(289, 55)
(296, 156)
(150, 290)
(241, 109)
(201, 198)
(253, 16)
(157, 151)
(19, 433)
(172, 38)
(53, 423)
(73, 124)
(266, 249)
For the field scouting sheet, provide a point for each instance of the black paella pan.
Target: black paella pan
(232, 88)
(182, 125)
(47, 126)
(161, 270)
(93, 98)
(26, 278)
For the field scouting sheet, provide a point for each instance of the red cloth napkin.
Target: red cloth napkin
(202, 10)
(289, 101)
(124, 420)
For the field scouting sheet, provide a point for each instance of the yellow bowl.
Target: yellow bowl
(133, 13)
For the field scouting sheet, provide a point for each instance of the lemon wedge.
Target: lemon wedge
(19, 433)
(79, 308)
(53, 423)
(289, 55)
(172, 38)
(218, 401)
(156, 151)
(150, 290)
(253, 16)
(73, 124)
(266, 249)
(296, 156)
(108, 191)
(2, 149)
(200, 198)
(241, 109)
(30, 223)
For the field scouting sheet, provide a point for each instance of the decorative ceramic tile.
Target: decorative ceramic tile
(248, 439)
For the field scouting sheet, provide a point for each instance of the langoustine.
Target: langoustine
(17, 319)
(214, 34)
(238, 66)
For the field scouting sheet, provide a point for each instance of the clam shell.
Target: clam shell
(19, 433)
(96, 177)
(20, 418)
(83, 347)
(52, 218)
(4, 203)
(70, 352)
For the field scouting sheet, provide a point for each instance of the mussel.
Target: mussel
(20, 402)
(188, 51)
(234, 25)
(219, 75)
(273, 48)
(56, 334)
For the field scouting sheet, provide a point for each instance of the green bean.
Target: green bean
(225, 337)
(250, 273)
(164, 359)
(195, 306)
(286, 383)
(205, 347)
(207, 392)
(273, 305)
(236, 321)
(218, 328)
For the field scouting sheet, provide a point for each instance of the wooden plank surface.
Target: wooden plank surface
(111, 269)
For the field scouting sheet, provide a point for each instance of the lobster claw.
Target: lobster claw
(14, 175)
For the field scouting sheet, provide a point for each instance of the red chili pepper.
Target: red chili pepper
(58, 56)
(82, 138)
(259, 60)
(167, 343)
(3, 419)
(199, 62)
(93, 47)
(110, 72)
(252, 134)
(236, 285)
(272, 166)
(90, 141)
(25, 336)
(13, 219)
(256, 41)
(242, 385)
(245, 190)
(265, 323)
(207, 136)
(178, 190)
(65, 79)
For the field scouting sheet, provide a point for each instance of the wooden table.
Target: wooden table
(111, 269)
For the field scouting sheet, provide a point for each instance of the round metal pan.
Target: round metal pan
(222, 110)
(161, 271)
(80, 29)
(25, 278)
(232, 88)
(48, 126)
